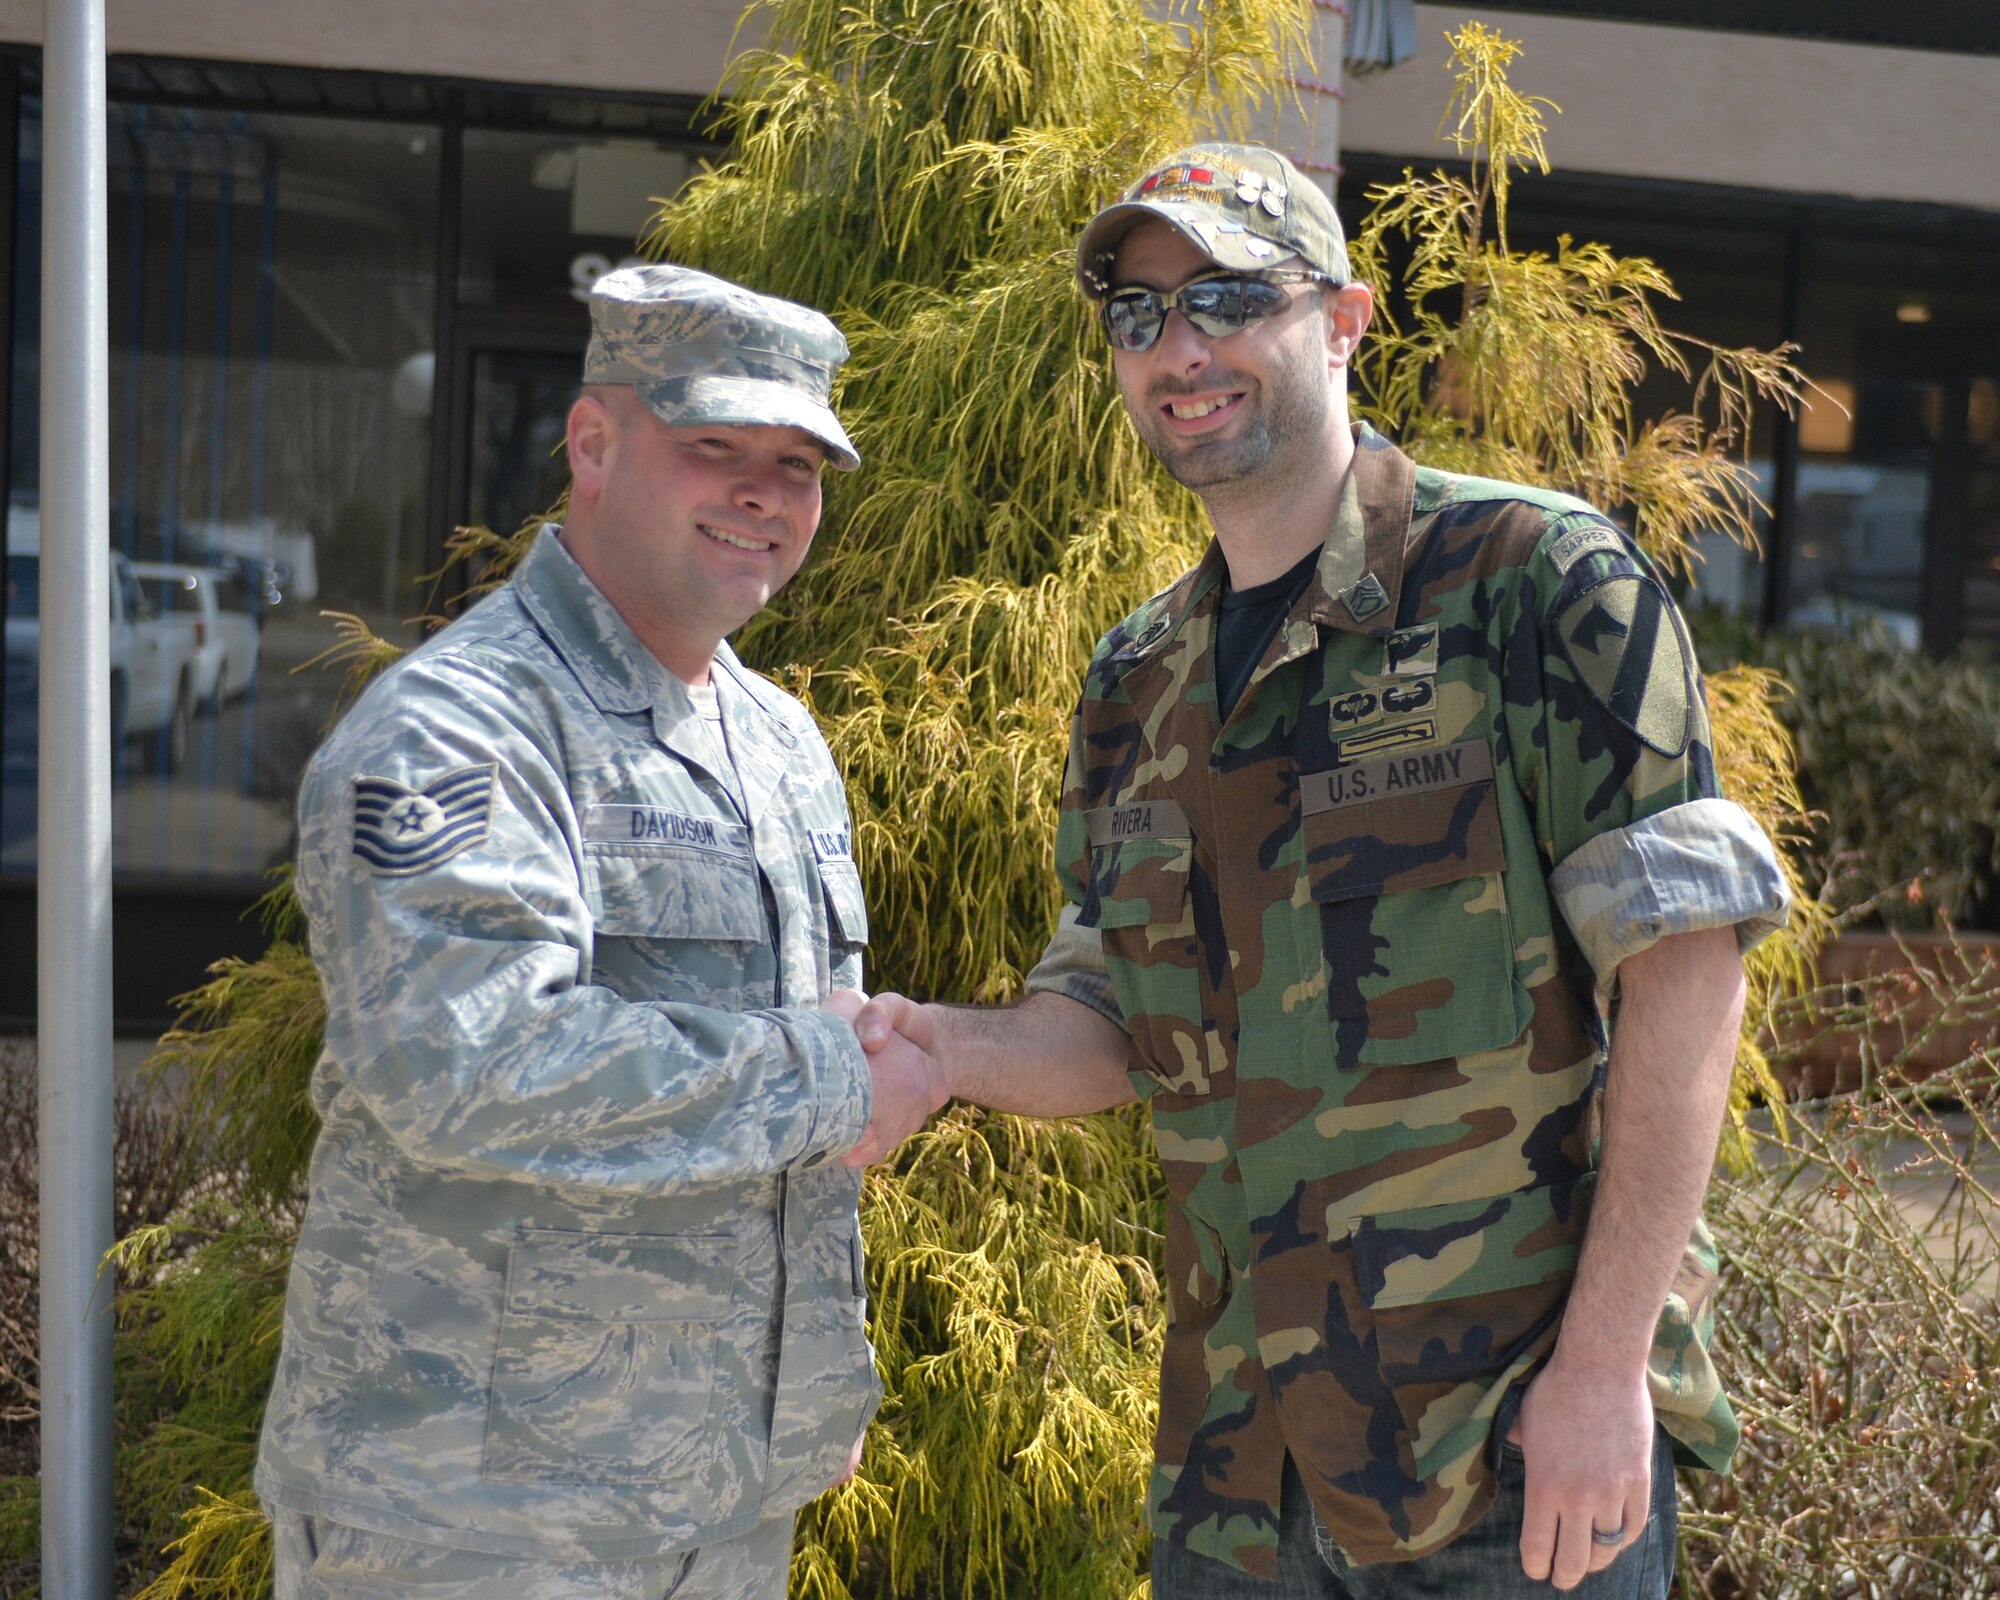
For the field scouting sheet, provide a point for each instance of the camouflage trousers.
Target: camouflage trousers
(1482, 1563)
(321, 1560)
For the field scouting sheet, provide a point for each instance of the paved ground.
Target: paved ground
(1931, 1195)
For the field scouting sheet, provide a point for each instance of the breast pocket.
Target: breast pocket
(846, 921)
(1404, 857)
(605, 1366)
(678, 922)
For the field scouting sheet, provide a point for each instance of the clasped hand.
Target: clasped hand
(909, 1084)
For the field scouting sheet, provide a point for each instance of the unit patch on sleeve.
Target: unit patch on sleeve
(401, 830)
(1625, 644)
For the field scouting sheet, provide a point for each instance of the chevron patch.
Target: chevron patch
(400, 830)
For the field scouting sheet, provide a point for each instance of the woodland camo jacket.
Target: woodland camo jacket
(1361, 934)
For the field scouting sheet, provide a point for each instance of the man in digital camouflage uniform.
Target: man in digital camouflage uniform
(577, 1310)
(1364, 818)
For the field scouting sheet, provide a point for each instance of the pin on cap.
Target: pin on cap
(1243, 206)
(700, 349)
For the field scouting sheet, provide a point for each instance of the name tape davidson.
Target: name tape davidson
(630, 824)
(1388, 777)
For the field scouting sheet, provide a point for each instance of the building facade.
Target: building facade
(349, 248)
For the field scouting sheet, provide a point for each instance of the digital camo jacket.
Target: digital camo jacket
(578, 1277)
(1357, 934)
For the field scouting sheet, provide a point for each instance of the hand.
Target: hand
(878, 1020)
(1587, 1439)
(853, 1462)
(846, 1004)
(908, 1083)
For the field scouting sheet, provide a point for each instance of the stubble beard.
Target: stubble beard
(1262, 456)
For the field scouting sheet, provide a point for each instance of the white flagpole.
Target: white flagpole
(73, 933)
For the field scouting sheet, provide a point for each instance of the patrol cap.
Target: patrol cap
(1241, 205)
(702, 349)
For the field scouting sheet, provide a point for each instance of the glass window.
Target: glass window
(272, 285)
(1861, 505)
(1887, 330)
(1982, 514)
(545, 215)
(520, 407)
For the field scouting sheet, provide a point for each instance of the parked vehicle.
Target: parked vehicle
(156, 539)
(226, 635)
(152, 664)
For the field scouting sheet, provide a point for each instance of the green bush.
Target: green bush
(1899, 760)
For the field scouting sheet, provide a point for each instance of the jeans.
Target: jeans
(1482, 1563)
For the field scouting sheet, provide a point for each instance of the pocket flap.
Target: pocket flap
(666, 892)
(1401, 822)
(1468, 1247)
(621, 1277)
(1139, 880)
(845, 900)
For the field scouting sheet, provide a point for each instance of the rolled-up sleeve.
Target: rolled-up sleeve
(1702, 864)
(1073, 966)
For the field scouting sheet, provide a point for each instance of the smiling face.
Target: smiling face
(1252, 405)
(690, 530)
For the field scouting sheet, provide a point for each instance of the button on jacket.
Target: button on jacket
(578, 1277)
(1360, 932)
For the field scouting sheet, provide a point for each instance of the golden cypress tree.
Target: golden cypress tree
(921, 171)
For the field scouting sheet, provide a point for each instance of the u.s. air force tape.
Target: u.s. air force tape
(832, 844)
(1138, 819)
(1390, 777)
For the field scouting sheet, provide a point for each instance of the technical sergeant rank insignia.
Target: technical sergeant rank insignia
(400, 830)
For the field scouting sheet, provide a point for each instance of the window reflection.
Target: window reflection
(272, 285)
(1861, 509)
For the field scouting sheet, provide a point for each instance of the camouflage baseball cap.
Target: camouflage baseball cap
(701, 349)
(1240, 204)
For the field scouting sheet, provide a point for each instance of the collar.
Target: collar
(1358, 583)
(615, 669)
(621, 675)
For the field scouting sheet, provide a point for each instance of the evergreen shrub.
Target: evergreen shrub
(153, 1168)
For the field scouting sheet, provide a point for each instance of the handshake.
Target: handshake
(901, 1040)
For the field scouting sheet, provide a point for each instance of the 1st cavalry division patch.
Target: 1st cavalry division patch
(1626, 645)
(398, 829)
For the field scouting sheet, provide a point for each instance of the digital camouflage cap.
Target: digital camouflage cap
(702, 349)
(1241, 205)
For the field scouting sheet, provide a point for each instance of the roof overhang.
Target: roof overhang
(1965, 27)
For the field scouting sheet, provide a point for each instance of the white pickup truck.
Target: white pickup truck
(153, 661)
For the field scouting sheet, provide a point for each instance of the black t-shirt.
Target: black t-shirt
(1245, 625)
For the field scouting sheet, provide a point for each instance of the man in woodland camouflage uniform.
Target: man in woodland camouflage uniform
(576, 1310)
(1364, 818)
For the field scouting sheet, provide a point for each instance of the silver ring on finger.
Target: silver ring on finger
(1611, 1540)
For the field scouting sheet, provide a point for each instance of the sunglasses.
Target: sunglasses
(1219, 305)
